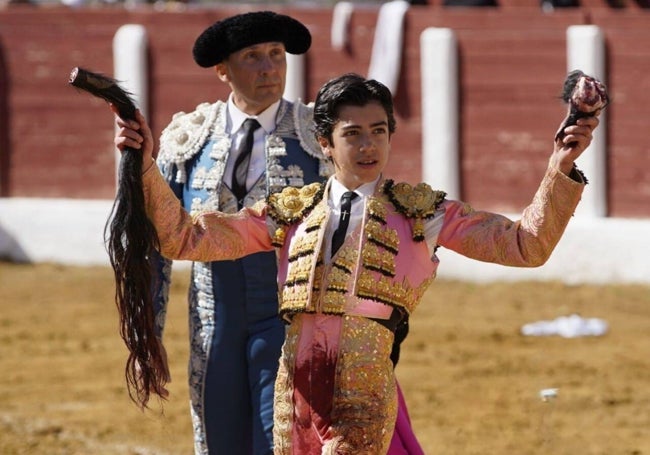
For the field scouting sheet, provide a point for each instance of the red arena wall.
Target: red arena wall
(56, 142)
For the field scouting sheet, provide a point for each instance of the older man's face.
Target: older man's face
(256, 75)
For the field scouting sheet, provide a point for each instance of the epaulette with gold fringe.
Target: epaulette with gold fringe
(291, 205)
(418, 203)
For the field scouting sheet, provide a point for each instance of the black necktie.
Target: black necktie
(344, 220)
(240, 170)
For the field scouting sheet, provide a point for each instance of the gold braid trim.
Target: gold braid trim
(418, 203)
(292, 205)
(386, 291)
(339, 276)
(294, 296)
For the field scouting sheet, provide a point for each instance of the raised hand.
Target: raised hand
(571, 141)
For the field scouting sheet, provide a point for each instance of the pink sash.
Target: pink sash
(404, 441)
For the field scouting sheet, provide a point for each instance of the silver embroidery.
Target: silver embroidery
(201, 332)
(186, 134)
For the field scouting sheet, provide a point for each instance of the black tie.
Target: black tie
(344, 220)
(240, 170)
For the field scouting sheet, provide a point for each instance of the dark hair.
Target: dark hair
(349, 90)
(131, 240)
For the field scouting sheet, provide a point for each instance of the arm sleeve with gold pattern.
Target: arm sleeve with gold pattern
(208, 236)
(527, 242)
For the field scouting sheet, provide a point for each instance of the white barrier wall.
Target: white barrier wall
(66, 231)
(593, 250)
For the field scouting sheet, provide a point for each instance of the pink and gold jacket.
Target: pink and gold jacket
(384, 263)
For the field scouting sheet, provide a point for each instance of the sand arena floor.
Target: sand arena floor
(471, 380)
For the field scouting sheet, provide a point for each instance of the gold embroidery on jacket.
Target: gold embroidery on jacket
(370, 273)
(303, 253)
(378, 260)
(378, 234)
(339, 280)
(290, 206)
(418, 203)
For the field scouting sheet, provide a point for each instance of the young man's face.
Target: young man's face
(360, 144)
(256, 75)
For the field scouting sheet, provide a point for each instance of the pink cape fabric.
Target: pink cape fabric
(404, 441)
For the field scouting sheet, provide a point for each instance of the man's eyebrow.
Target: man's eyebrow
(372, 125)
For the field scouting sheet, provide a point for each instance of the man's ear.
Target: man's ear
(325, 146)
(222, 72)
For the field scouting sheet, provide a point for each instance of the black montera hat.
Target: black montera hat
(224, 37)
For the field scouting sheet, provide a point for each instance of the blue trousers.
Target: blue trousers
(243, 358)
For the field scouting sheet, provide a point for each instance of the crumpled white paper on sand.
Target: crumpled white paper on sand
(566, 326)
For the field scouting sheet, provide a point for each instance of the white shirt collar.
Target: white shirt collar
(337, 189)
(266, 117)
